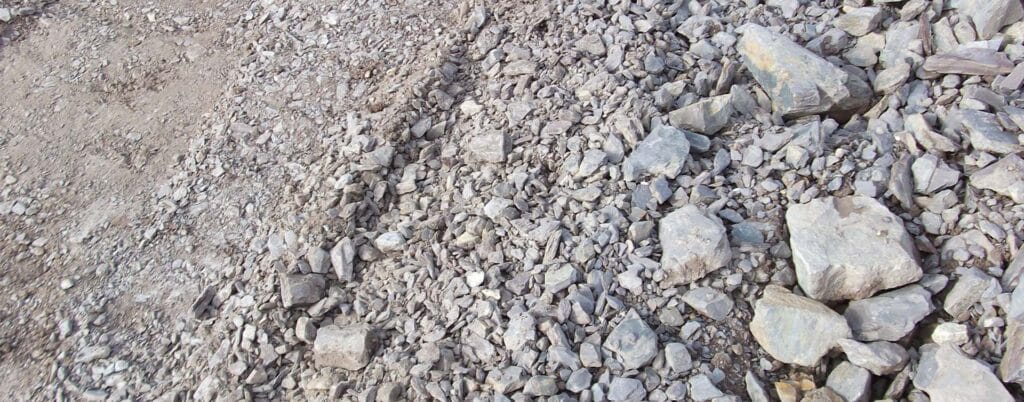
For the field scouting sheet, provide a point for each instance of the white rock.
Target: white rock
(795, 329)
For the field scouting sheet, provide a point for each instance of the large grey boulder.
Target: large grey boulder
(662, 153)
(849, 248)
(349, 347)
(799, 82)
(946, 375)
(889, 316)
(633, 342)
(795, 329)
(1005, 177)
(989, 16)
(693, 245)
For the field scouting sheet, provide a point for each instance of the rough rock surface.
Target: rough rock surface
(889, 316)
(694, 245)
(949, 376)
(795, 329)
(348, 347)
(849, 248)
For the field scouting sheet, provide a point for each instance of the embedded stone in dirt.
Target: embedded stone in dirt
(348, 347)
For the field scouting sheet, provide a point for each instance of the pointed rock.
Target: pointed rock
(633, 342)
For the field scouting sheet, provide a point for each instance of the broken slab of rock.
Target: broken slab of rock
(1005, 177)
(348, 347)
(859, 21)
(491, 147)
(709, 302)
(693, 245)
(989, 16)
(849, 248)
(799, 82)
(633, 342)
(662, 153)
(343, 256)
(946, 375)
(301, 289)
(972, 286)
(969, 61)
(1011, 367)
(796, 329)
(889, 316)
(986, 134)
(880, 358)
(706, 116)
(851, 382)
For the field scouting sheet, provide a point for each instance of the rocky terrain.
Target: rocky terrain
(465, 200)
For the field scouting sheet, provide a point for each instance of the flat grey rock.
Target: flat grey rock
(946, 375)
(702, 389)
(989, 16)
(541, 385)
(1005, 177)
(520, 331)
(971, 286)
(624, 389)
(632, 342)
(795, 329)
(799, 82)
(662, 153)
(1011, 367)
(710, 302)
(932, 174)
(706, 116)
(677, 357)
(859, 21)
(491, 147)
(348, 347)
(986, 134)
(969, 61)
(507, 379)
(579, 380)
(301, 289)
(693, 245)
(851, 382)
(889, 316)
(849, 248)
(880, 358)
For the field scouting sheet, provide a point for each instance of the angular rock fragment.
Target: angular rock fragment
(709, 302)
(389, 242)
(633, 342)
(1005, 177)
(799, 82)
(880, 358)
(859, 21)
(969, 61)
(706, 116)
(491, 147)
(702, 389)
(795, 329)
(1011, 367)
(889, 316)
(343, 256)
(693, 245)
(851, 382)
(624, 389)
(349, 347)
(678, 358)
(989, 16)
(541, 385)
(849, 248)
(971, 287)
(986, 134)
(662, 153)
(506, 380)
(301, 289)
(946, 375)
(520, 331)
(932, 174)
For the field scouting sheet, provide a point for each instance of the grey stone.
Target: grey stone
(969, 61)
(318, 259)
(678, 357)
(590, 355)
(755, 390)
(849, 248)
(1011, 367)
(902, 44)
(343, 256)
(624, 389)
(676, 391)
(491, 147)
(950, 332)
(795, 329)
(520, 331)
(1005, 177)
(924, 135)
(986, 134)
(578, 381)
(591, 44)
(859, 21)
(989, 16)
(633, 342)
(693, 245)
(541, 385)
(1015, 311)
(880, 358)
(710, 302)
(301, 289)
(706, 116)
(593, 159)
(890, 79)
(702, 389)
(506, 380)
(931, 174)
(348, 347)
(851, 382)
(946, 375)
(972, 286)
(822, 395)
(889, 316)
(557, 279)
(389, 242)
(798, 81)
(662, 153)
